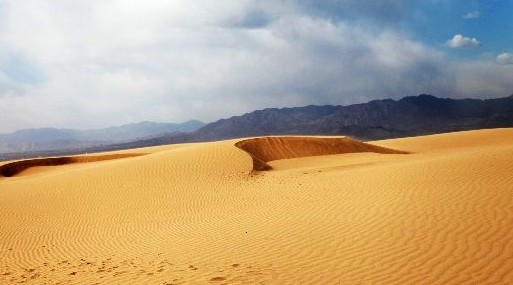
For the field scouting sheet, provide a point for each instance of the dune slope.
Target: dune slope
(267, 149)
(193, 214)
(15, 168)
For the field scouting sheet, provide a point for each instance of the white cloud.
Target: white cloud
(472, 15)
(505, 58)
(459, 41)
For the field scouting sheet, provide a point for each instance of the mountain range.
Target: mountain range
(378, 119)
(51, 139)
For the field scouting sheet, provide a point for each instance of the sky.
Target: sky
(98, 63)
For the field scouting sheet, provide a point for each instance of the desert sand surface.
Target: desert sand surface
(424, 210)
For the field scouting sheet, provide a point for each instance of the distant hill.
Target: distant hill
(378, 119)
(48, 139)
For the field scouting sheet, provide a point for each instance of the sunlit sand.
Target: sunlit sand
(279, 210)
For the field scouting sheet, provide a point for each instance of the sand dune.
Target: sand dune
(15, 168)
(193, 214)
(267, 149)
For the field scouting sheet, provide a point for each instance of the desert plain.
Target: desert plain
(433, 209)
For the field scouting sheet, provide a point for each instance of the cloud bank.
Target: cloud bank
(98, 63)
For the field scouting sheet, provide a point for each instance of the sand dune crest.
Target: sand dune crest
(267, 149)
(14, 168)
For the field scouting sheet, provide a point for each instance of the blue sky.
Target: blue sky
(489, 21)
(97, 63)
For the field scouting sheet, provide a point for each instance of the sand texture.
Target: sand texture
(424, 210)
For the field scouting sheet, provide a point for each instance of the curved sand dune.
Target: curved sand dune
(14, 168)
(267, 149)
(192, 214)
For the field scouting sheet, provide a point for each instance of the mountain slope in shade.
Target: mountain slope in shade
(46, 139)
(423, 114)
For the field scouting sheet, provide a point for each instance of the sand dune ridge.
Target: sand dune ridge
(265, 149)
(14, 168)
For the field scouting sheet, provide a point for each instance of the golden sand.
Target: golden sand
(199, 214)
